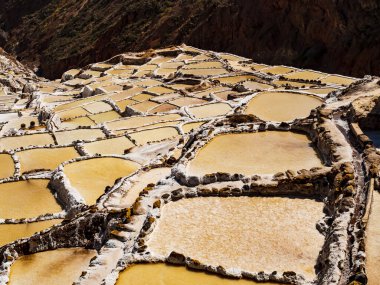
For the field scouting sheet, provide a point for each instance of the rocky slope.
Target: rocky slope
(334, 36)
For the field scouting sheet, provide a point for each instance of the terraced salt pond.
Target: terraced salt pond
(282, 106)
(210, 110)
(109, 146)
(138, 121)
(45, 158)
(146, 136)
(7, 168)
(25, 141)
(26, 199)
(339, 80)
(161, 274)
(90, 177)
(151, 176)
(254, 234)
(12, 232)
(67, 137)
(45, 268)
(186, 128)
(255, 153)
(373, 241)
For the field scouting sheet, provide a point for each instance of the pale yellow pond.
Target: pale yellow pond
(143, 137)
(165, 71)
(67, 137)
(7, 168)
(45, 158)
(75, 123)
(142, 97)
(122, 104)
(126, 93)
(255, 153)
(90, 177)
(251, 233)
(109, 146)
(282, 106)
(373, 241)
(25, 141)
(12, 232)
(210, 110)
(253, 85)
(104, 117)
(204, 64)
(305, 75)
(171, 65)
(144, 106)
(160, 90)
(79, 102)
(55, 98)
(61, 266)
(26, 199)
(291, 83)
(151, 176)
(340, 80)
(321, 91)
(162, 274)
(204, 71)
(236, 79)
(97, 107)
(278, 70)
(187, 128)
(186, 101)
(231, 57)
(208, 91)
(72, 113)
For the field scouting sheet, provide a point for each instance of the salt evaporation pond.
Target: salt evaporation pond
(12, 232)
(90, 177)
(282, 106)
(255, 153)
(162, 274)
(26, 199)
(60, 266)
(254, 234)
(373, 241)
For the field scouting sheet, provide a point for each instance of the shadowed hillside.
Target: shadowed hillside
(333, 36)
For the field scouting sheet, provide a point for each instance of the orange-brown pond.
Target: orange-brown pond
(26, 199)
(7, 168)
(45, 158)
(12, 232)
(282, 106)
(90, 177)
(251, 233)
(255, 153)
(45, 268)
(162, 274)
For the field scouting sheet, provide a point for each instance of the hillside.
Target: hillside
(332, 36)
